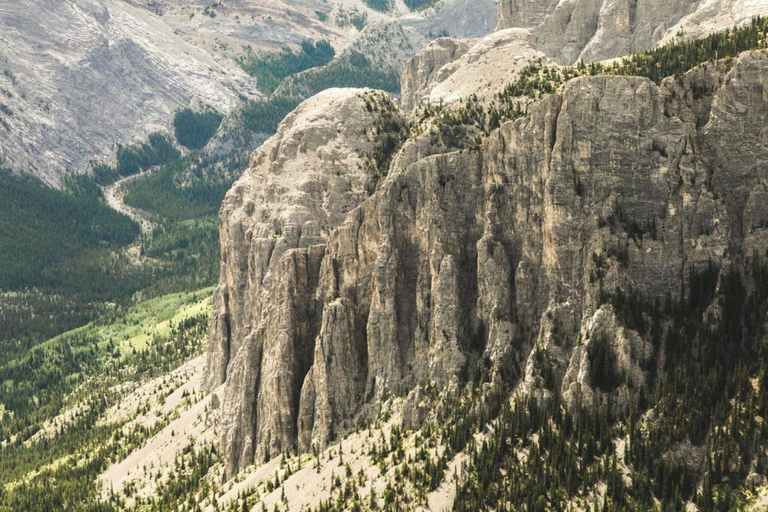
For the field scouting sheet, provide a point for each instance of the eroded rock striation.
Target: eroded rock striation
(508, 256)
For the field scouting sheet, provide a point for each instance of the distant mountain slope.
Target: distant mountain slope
(76, 77)
(79, 76)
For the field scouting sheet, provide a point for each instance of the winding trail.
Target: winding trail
(114, 195)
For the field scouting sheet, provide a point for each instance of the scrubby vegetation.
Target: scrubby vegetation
(677, 58)
(464, 126)
(187, 479)
(350, 17)
(673, 59)
(79, 371)
(388, 134)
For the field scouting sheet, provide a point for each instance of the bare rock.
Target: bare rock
(301, 183)
(611, 192)
(592, 30)
(421, 70)
(449, 70)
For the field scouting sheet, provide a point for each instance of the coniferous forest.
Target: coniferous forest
(194, 129)
(269, 70)
(351, 69)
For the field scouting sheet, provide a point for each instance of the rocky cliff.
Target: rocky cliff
(448, 70)
(300, 185)
(515, 255)
(592, 30)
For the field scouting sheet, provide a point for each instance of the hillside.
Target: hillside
(67, 410)
(79, 77)
(559, 286)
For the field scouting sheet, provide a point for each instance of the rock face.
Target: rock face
(454, 18)
(300, 185)
(449, 70)
(591, 30)
(422, 70)
(505, 254)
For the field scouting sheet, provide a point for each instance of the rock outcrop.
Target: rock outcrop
(507, 255)
(592, 30)
(422, 70)
(449, 70)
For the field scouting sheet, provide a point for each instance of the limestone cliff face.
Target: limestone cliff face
(592, 30)
(504, 254)
(449, 70)
(299, 186)
(423, 69)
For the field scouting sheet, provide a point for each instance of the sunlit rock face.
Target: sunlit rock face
(591, 30)
(331, 300)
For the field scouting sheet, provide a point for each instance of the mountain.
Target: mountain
(81, 76)
(521, 285)
(593, 257)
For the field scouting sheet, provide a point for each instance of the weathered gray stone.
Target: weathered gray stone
(301, 183)
(505, 255)
(422, 69)
(592, 30)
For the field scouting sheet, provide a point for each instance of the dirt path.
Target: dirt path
(114, 195)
